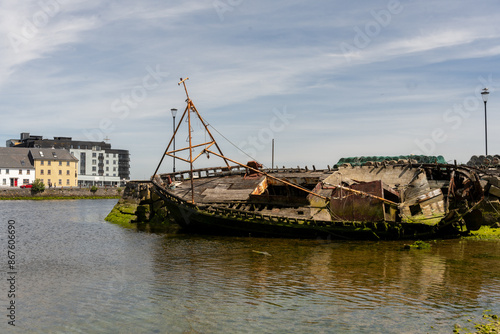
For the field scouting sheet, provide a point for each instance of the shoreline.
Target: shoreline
(43, 198)
(60, 193)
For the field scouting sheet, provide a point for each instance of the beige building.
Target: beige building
(55, 167)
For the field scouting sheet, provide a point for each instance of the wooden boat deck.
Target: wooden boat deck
(233, 187)
(217, 189)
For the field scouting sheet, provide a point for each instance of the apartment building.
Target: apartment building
(98, 164)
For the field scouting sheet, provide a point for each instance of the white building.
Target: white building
(16, 168)
(96, 166)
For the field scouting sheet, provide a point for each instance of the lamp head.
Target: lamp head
(485, 94)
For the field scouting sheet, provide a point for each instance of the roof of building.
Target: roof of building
(51, 154)
(12, 157)
(28, 140)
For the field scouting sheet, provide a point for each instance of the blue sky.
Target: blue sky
(325, 79)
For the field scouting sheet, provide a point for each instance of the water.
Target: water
(77, 273)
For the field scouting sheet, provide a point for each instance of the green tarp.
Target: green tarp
(425, 159)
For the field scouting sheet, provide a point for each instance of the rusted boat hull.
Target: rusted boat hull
(380, 198)
(222, 221)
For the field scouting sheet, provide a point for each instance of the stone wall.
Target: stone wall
(140, 207)
(61, 192)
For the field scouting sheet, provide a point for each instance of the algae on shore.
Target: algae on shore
(485, 233)
(123, 214)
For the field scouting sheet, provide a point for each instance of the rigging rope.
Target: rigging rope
(230, 142)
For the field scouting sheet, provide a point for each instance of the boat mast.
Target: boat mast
(190, 138)
(190, 107)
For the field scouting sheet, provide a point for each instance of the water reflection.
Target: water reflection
(359, 281)
(82, 275)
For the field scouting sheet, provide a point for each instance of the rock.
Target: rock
(494, 180)
(157, 205)
(154, 196)
(495, 191)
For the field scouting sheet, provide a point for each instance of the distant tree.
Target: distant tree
(38, 186)
(93, 189)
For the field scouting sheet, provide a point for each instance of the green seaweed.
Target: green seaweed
(419, 244)
(489, 324)
(484, 233)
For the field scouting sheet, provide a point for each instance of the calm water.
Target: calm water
(80, 274)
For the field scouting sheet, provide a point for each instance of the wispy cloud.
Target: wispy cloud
(66, 63)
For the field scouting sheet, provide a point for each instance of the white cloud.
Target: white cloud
(261, 55)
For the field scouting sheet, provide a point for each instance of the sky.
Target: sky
(324, 79)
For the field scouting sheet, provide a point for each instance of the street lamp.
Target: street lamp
(485, 94)
(174, 112)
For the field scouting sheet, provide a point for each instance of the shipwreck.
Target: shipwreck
(395, 198)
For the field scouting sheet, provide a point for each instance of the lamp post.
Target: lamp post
(174, 112)
(485, 94)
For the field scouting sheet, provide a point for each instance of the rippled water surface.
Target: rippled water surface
(80, 274)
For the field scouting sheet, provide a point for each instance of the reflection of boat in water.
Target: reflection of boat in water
(380, 200)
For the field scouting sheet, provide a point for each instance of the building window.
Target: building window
(67, 163)
(4, 183)
(94, 155)
(107, 169)
(107, 162)
(41, 172)
(7, 171)
(26, 181)
(67, 172)
(20, 172)
(48, 172)
(107, 155)
(67, 182)
(94, 162)
(48, 182)
(94, 168)
(60, 182)
(41, 162)
(60, 172)
(83, 162)
(28, 172)
(49, 163)
(60, 163)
